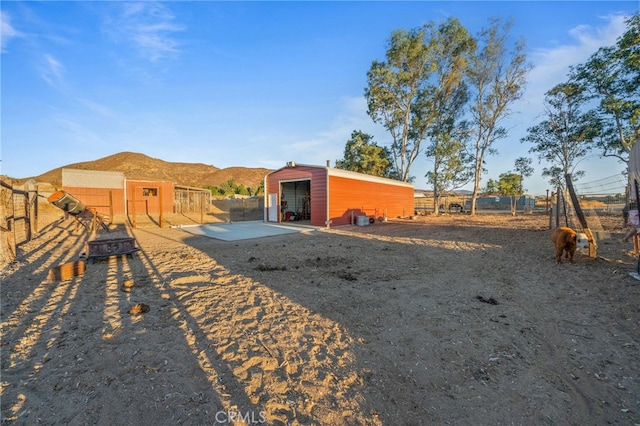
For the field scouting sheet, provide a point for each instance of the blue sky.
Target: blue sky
(252, 84)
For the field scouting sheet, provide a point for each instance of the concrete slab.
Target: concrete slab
(245, 230)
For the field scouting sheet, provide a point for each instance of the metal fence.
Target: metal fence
(238, 209)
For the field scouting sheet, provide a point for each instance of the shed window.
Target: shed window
(149, 192)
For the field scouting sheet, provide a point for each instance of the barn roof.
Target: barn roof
(332, 171)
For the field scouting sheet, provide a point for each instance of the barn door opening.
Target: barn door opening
(296, 200)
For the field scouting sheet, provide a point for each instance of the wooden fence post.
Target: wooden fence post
(161, 197)
(27, 216)
(583, 220)
(133, 207)
(558, 196)
(110, 206)
(35, 210)
(202, 199)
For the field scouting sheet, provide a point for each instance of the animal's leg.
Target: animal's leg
(558, 255)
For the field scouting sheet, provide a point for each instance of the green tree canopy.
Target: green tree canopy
(497, 78)
(611, 77)
(447, 136)
(363, 155)
(492, 187)
(231, 188)
(566, 136)
(401, 90)
(510, 185)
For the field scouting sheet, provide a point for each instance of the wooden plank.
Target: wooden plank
(583, 220)
(67, 271)
(576, 203)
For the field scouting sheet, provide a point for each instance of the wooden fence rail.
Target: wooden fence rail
(18, 218)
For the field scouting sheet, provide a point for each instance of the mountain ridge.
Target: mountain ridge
(136, 165)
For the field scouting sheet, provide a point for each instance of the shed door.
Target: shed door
(272, 213)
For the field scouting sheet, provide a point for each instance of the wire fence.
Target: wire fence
(604, 203)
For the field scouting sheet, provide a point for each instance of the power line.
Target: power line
(608, 185)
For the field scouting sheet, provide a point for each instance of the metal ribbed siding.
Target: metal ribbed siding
(336, 193)
(363, 197)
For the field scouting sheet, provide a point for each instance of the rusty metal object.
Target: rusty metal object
(100, 249)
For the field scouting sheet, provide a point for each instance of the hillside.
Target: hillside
(139, 166)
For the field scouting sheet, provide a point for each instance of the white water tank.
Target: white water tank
(362, 220)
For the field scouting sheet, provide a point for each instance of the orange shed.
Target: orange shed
(149, 196)
(326, 196)
(112, 193)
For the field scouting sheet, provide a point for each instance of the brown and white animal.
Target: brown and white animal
(564, 239)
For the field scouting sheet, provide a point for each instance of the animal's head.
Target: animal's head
(582, 241)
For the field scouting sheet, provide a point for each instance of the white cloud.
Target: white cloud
(99, 109)
(551, 64)
(594, 38)
(7, 31)
(52, 71)
(149, 26)
(329, 144)
(551, 67)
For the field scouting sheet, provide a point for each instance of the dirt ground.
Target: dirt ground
(438, 320)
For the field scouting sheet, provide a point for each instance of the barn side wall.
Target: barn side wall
(350, 197)
(96, 189)
(99, 198)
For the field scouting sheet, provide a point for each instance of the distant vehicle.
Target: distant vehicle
(456, 207)
(453, 207)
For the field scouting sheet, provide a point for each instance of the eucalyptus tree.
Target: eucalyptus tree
(363, 155)
(450, 166)
(511, 184)
(611, 77)
(497, 78)
(566, 136)
(448, 134)
(402, 90)
(492, 187)
(523, 167)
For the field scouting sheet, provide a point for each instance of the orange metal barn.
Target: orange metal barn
(326, 196)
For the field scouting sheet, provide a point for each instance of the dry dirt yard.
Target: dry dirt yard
(440, 320)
